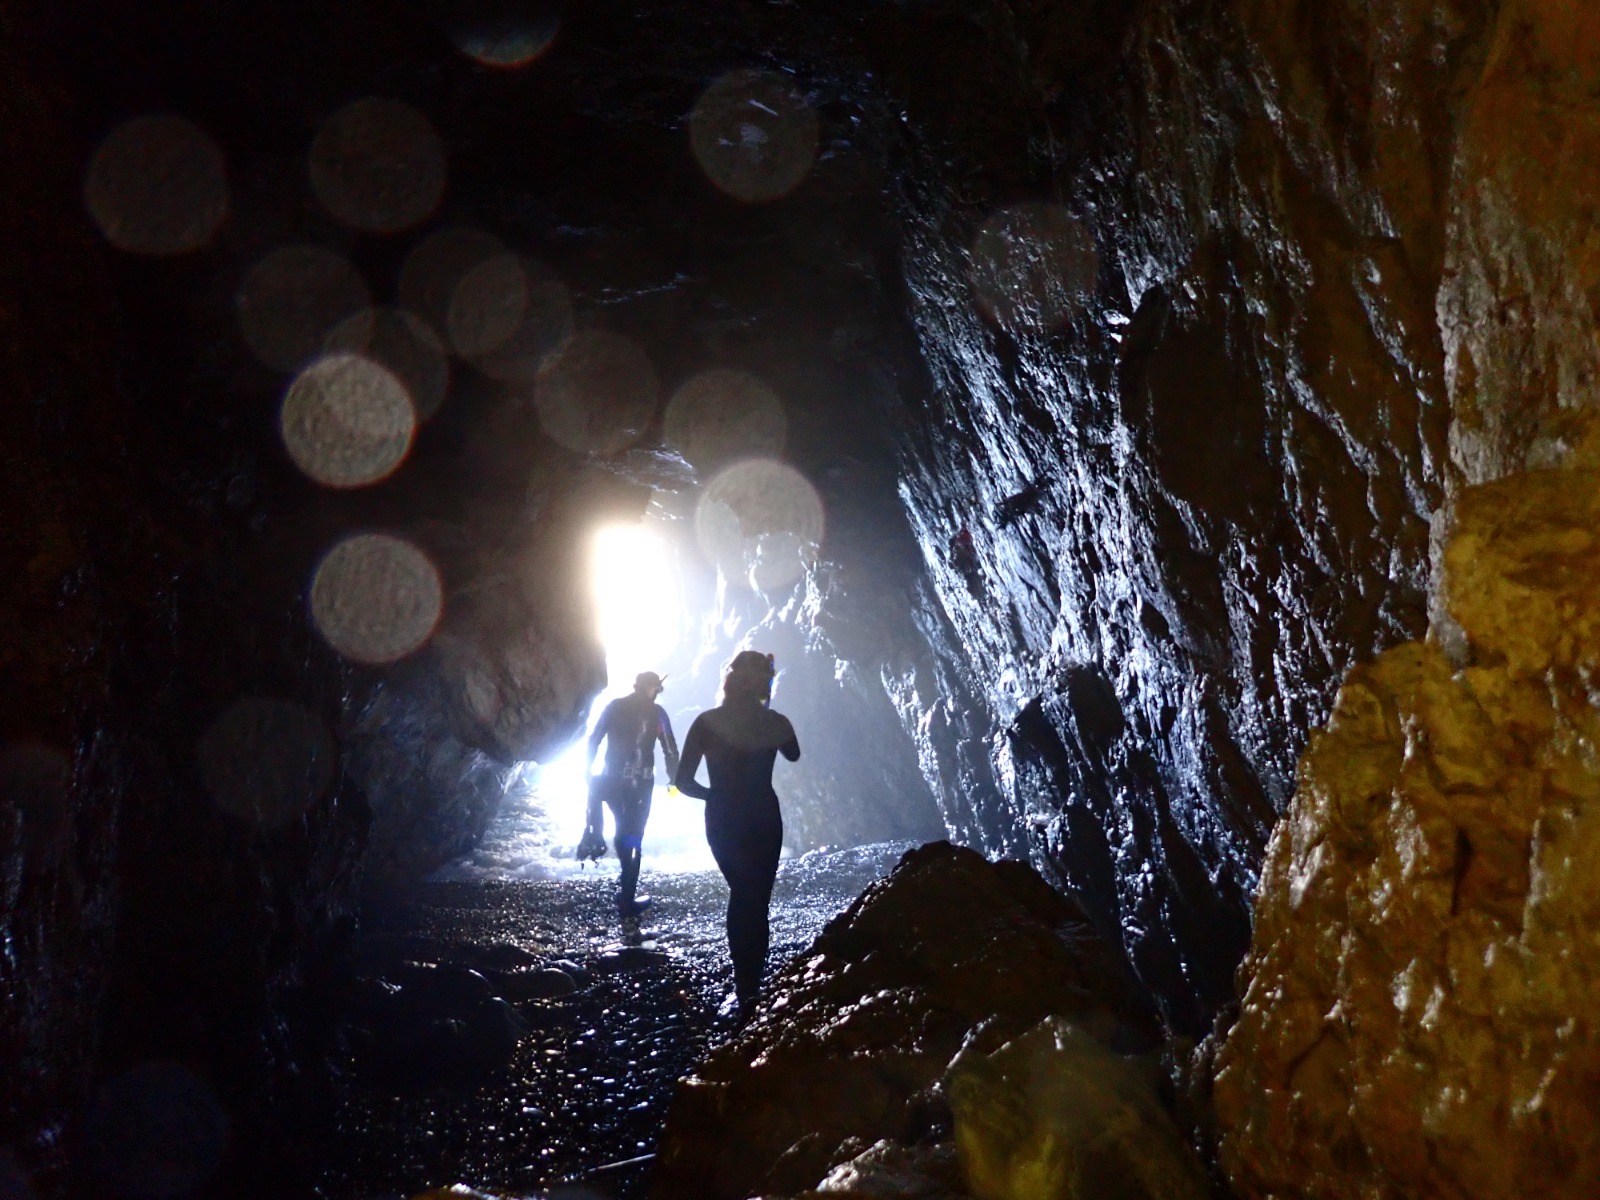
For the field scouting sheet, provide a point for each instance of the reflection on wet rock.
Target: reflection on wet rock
(851, 1042)
(1054, 1115)
(1419, 1017)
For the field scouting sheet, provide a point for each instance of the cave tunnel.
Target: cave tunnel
(1154, 442)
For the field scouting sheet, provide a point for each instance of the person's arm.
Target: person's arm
(683, 777)
(790, 748)
(669, 744)
(597, 737)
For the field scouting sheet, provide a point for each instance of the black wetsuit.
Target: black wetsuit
(743, 823)
(631, 726)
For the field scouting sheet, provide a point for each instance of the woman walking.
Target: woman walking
(739, 740)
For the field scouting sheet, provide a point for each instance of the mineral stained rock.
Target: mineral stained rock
(855, 1035)
(1054, 1115)
(1420, 1014)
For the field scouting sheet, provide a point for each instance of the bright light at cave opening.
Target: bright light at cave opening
(639, 608)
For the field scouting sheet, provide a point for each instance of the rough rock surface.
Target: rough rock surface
(1419, 1018)
(853, 1035)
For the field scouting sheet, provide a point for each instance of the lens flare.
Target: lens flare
(376, 598)
(158, 185)
(402, 344)
(434, 269)
(156, 1131)
(266, 761)
(547, 321)
(754, 135)
(378, 165)
(292, 298)
(346, 421)
(721, 414)
(1032, 267)
(597, 393)
(760, 522)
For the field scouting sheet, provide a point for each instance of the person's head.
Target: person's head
(648, 683)
(749, 678)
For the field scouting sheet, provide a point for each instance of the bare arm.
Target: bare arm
(683, 777)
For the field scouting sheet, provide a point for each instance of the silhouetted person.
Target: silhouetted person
(739, 740)
(630, 727)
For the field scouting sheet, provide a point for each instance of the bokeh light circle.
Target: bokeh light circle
(403, 344)
(291, 299)
(547, 321)
(378, 165)
(346, 421)
(596, 393)
(156, 1131)
(723, 414)
(1032, 266)
(760, 521)
(754, 135)
(376, 598)
(435, 267)
(506, 34)
(488, 306)
(157, 185)
(266, 761)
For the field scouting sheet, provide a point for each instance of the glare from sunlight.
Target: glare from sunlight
(637, 600)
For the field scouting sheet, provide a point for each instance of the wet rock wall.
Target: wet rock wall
(1165, 510)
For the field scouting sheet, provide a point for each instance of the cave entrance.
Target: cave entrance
(646, 622)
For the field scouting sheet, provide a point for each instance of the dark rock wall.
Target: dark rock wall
(1204, 493)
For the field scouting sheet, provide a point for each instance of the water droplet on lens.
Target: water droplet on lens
(720, 415)
(157, 185)
(378, 165)
(754, 135)
(376, 598)
(403, 344)
(760, 521)
(292, 298)
(266, 760)
(1032, 266)
(597, 393)
(346, 421)
(435, 267)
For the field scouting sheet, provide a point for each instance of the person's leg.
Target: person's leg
(632, 811)
(748, 860)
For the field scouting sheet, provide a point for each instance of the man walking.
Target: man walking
(630, 727)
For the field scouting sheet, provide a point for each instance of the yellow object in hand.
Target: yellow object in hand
(672, 790)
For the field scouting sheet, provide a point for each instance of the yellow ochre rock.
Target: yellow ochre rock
(1054, 1115)
(1421, 1013)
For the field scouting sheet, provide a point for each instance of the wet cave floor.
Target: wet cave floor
(454, 1077)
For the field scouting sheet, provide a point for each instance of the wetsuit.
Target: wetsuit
(630, 726)
(740, 742)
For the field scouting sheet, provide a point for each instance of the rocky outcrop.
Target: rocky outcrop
(1418, 1017)
(851, 1043)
